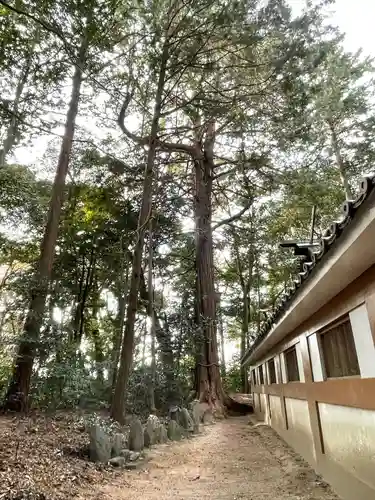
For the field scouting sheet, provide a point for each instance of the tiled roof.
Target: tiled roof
(315, 255)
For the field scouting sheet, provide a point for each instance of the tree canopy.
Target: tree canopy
(184, 141)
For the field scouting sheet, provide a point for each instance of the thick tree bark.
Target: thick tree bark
(126, 358)
(17, 395)
(208, 380)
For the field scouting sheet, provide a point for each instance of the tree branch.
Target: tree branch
(145, 141)
(233, 217)
(45, 25)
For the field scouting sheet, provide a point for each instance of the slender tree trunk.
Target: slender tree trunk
(117, 339)
(258, 294)
(45, 347)
(151, 315)
(144, 345)
(11, 134)
(244, 268)
(180, 338)
(86, 292)
(99, 356)
(77, 311)
(163, 338)
(85, 286)
(222, 342)
(3, 319)
(118, 403)
(340, 162)
(244, 333)
(6, 275)
(20, 382)
(94, 331)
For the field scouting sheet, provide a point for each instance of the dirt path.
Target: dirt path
(230, 460)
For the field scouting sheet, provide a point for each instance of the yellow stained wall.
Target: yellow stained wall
(349, 439)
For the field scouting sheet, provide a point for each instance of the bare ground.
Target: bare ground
(229, 460)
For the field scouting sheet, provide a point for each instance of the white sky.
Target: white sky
(354, 18)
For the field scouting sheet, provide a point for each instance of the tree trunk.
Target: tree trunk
(208, 384)
(117, 338)
(340, 162)
(11, 134)
(99, 356)
(94, 331)
(17, 395)
(151, 315)
(208, 381)
(258, 295)
(244, 332)
(222, 343)
(86, 292)
(77, 312)
(163, 338)
(144, 345)
(118, 403)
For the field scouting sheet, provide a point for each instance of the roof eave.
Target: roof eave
(344, 261)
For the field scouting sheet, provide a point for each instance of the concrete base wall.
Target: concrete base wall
(277, 420)
(349, 438)
(299, 433)
(348, 442)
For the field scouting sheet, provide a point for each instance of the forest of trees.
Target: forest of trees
(184, 140)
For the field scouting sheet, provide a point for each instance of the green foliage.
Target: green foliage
(277, 89)
(6, 362)
(23, 198)
(232, 378)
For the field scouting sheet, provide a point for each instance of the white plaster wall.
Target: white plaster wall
(277, 367)
(256, 401)
(283, 368)
(251, 370)
(349, 438)
(267, 415)
(300, 363)
(363, 341)
(316, 363)
(263, 402)
(276, 413)
(257, 375)
(261, 367)
(265, 373)
(299, 429)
